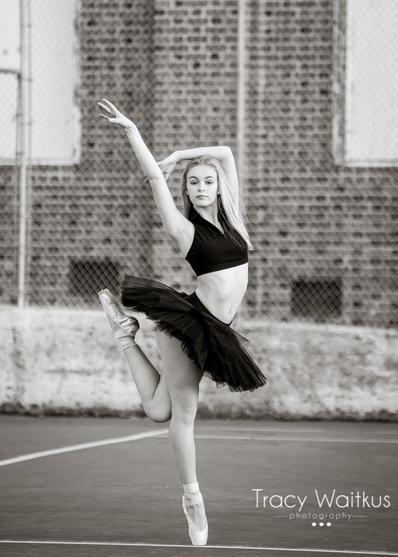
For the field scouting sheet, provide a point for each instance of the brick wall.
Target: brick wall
(324, 235)
(8, 234)
(97, 210)
(313, 221)
(196, 73)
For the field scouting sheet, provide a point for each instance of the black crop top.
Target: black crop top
(211, 250)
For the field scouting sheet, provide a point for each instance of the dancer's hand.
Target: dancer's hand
(167, 165)
(113, 115)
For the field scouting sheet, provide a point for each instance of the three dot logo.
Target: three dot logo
(321, 524)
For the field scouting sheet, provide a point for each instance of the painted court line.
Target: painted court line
(161, 433)
(83, 446)
(287, 430)
(296, 439)
(270, 429)
(229, 547)
(291, 439)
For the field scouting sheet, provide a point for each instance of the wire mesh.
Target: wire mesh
(93, 220)
(9, 93)
(324, 234)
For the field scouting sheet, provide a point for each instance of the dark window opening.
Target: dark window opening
(318, 299)
(87, 276)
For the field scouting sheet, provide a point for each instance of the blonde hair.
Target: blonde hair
(225, 200)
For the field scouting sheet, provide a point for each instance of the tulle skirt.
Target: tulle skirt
(211, 344)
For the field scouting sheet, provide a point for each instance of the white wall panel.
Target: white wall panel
(54, 69)
(371, 134)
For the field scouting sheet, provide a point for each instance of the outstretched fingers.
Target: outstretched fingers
(110, 105)
(104, 107)
(113, 115)
(112, 112)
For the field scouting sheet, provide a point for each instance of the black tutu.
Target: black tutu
(211, 344)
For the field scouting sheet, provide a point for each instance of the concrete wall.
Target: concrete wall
(65, 361)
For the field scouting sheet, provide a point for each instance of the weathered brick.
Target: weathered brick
(172, 66)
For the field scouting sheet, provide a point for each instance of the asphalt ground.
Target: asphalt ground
(109, 487)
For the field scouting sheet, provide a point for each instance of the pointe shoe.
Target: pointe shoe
(123, 326)
(198, 537)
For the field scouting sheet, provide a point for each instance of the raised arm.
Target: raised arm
(173, 220)
(224, 154)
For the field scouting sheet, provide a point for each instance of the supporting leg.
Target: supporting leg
(183, 379)
(181, 438)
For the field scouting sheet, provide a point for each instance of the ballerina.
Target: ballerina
(193, 331)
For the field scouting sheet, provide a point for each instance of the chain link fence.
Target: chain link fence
(9, 94)
(91, 219)
(174, 67)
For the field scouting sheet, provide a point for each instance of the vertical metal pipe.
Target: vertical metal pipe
(241, 116)
(23, 148)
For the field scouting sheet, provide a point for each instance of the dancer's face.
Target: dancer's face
(202, 185)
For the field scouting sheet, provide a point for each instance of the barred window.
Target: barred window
(317, 299)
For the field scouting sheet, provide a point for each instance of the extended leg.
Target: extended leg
(151, 385)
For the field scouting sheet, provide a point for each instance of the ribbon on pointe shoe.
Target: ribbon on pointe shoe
(198, 537)
(124, 327)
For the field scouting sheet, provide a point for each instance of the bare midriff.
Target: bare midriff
(222, 291)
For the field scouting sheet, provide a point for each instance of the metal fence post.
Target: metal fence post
(23, 153)
(240, 151)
